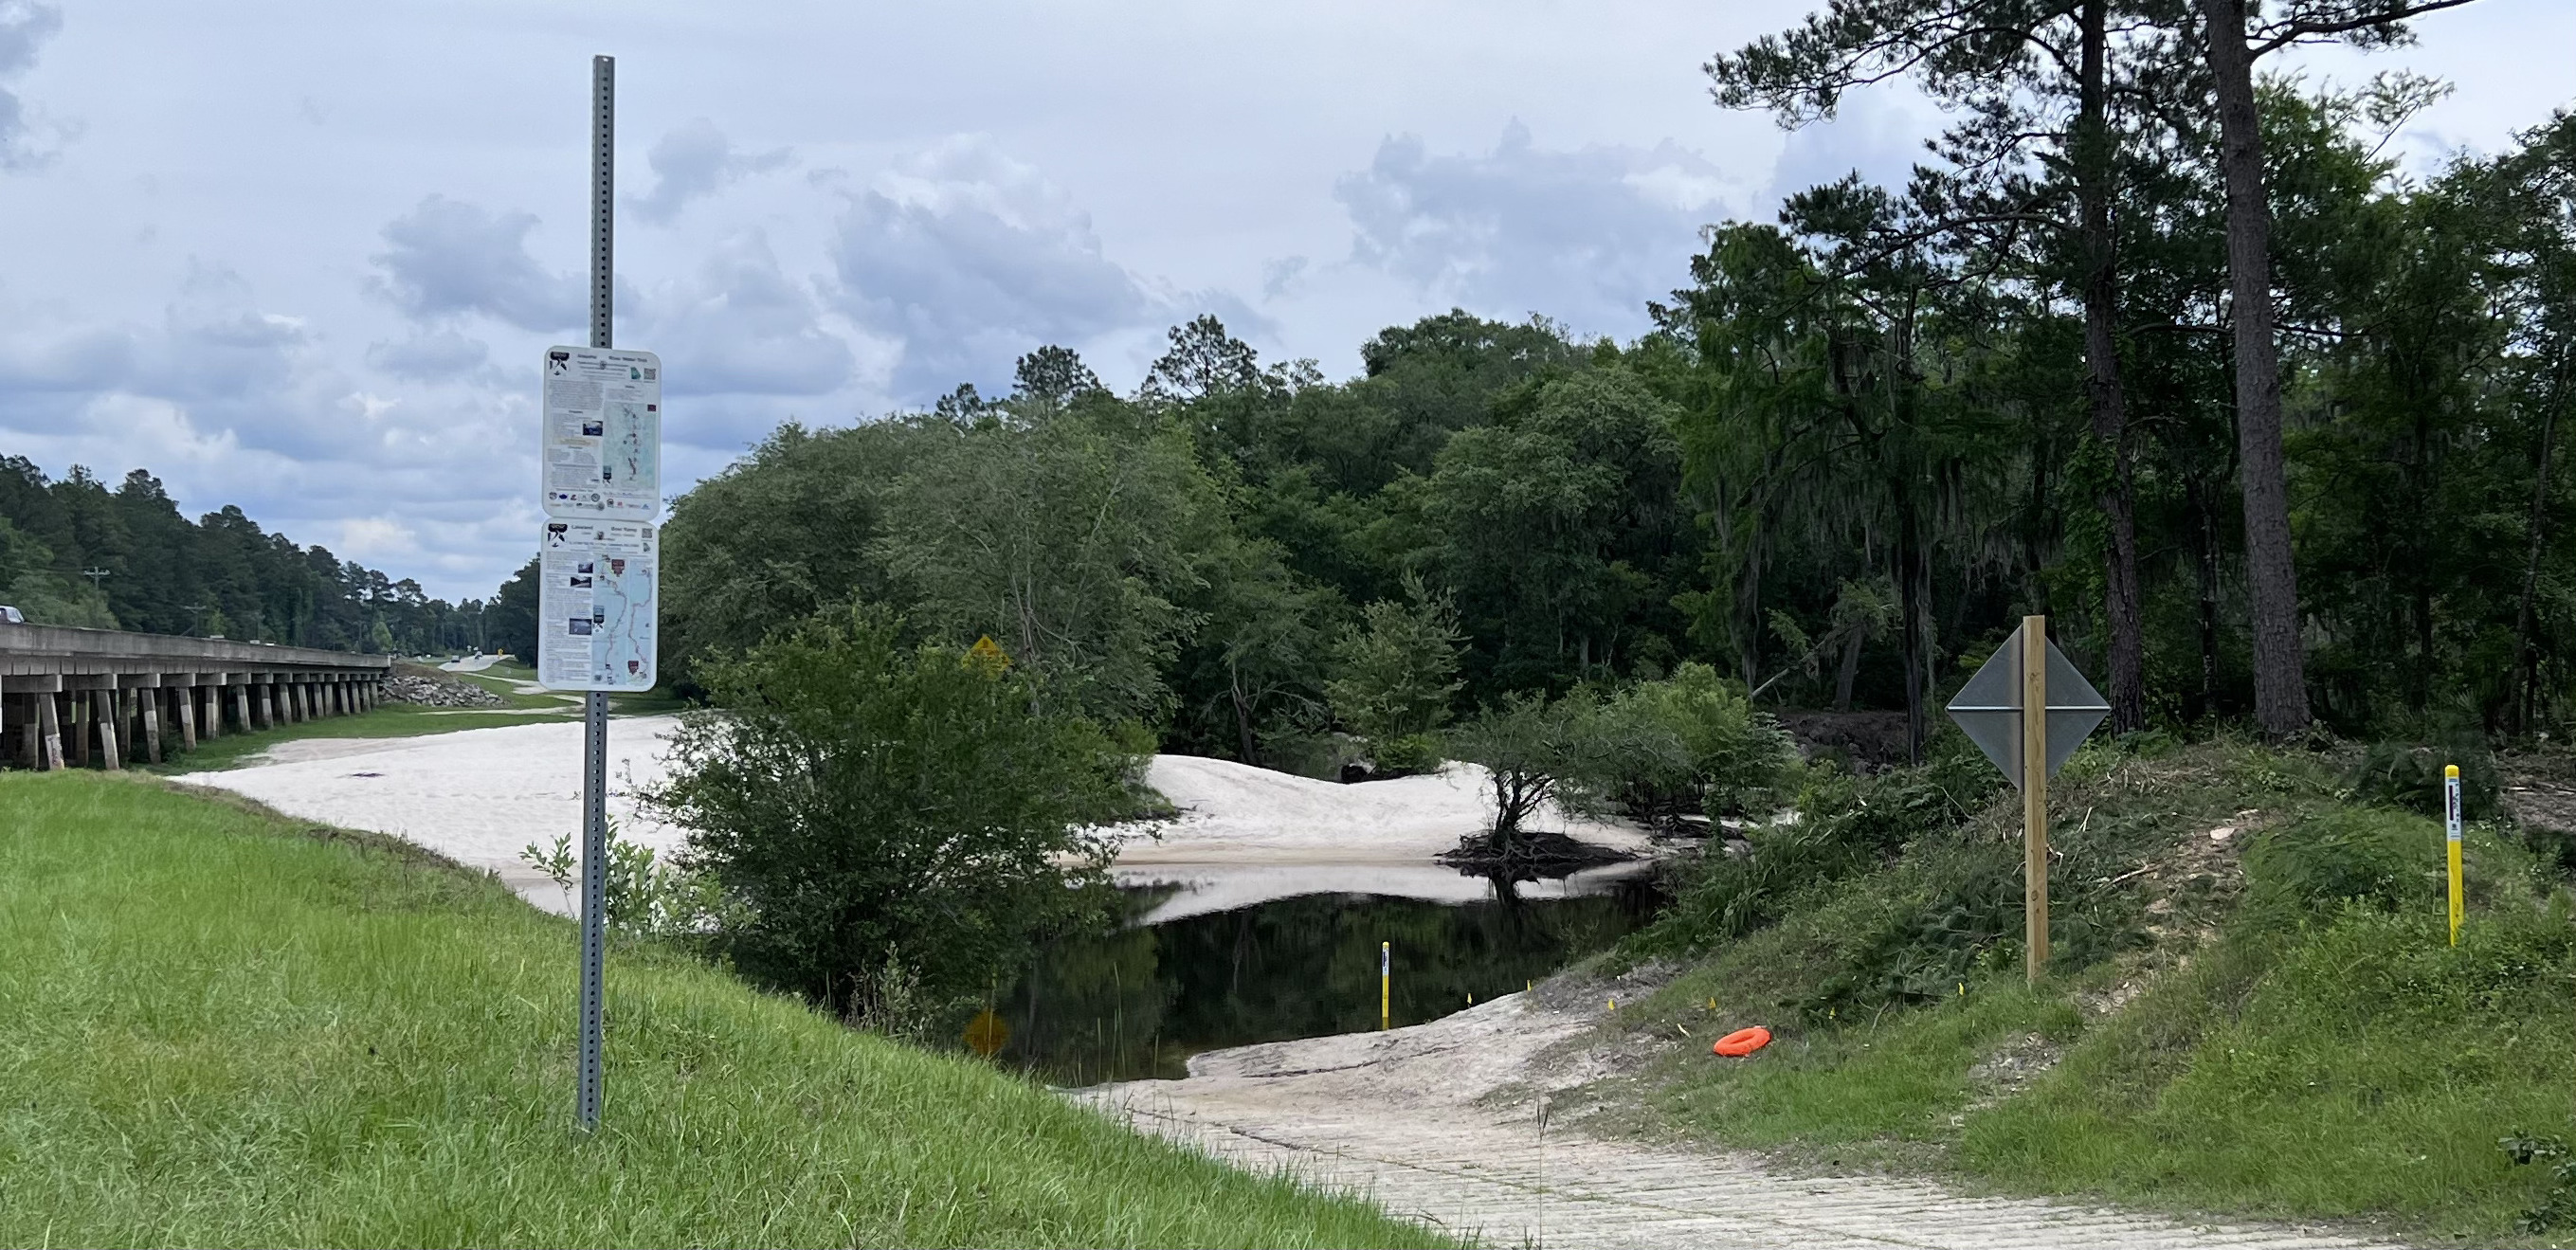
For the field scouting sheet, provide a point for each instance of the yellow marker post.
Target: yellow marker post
(1385, 973)
(2451, 841)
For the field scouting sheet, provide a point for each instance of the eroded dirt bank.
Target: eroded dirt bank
(1460, 1122)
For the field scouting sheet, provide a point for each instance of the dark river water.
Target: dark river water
(1139, 1002)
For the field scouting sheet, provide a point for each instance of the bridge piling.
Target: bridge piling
(110, 725)
(150, 699)
(50, 729)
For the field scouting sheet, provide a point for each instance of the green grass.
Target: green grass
(2280, 1031)
(221, 1028)
(2363, 1067)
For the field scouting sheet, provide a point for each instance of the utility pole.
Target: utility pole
(98, 578)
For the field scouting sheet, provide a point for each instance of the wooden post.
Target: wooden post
(2034, 793)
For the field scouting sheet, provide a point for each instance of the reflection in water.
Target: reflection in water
(1139, 1002)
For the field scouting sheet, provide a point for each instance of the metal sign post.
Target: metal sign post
(594, 738)
(2029, 671)
(600, 484)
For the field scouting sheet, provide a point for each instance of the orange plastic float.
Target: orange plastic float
(1742, 1042)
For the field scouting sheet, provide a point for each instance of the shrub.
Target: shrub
(647, 897)
(1687, 744)
(1846, 826)
(2382, 860)
(2410, 778)
(1533, 750)
(1394, 676)
(887, 823)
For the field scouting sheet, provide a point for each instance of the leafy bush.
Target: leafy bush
(646, 896)
(1533, 750)
(1395, 675)
(2559, 1209)
(2410, 778)
(2377, 859)
(1410, 753)
(1846, 826)
(1687, 744)
(887, 823)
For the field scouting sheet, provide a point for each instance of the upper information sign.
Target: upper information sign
(603, 435)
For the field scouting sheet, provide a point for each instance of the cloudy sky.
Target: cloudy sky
(303, 257)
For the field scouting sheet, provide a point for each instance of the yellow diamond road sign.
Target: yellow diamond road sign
(987, 655)
(1988, 708)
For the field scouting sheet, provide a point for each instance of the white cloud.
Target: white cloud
(448, 258)
(970, 258)
(24, 27)
(1587, 235)
(695, 161)
(375, 537)
(1871, 134)
(740, 326)
(431, 356)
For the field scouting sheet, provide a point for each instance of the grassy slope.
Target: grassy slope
(2214, 1055)
(403, 720)
(217, 1029)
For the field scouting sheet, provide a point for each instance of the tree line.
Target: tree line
(2167, 349)
(77, 551)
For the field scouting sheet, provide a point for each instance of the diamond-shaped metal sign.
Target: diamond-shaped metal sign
(1988, 708)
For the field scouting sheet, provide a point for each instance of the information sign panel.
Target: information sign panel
(596, 627)
(603, 435)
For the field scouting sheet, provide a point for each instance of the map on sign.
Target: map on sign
(596, 609)
(603, 434)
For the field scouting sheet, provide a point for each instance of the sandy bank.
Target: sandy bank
(476, 796)
(1245, 835)
(1239, 814)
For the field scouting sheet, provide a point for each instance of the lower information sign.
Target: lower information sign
(596, 605)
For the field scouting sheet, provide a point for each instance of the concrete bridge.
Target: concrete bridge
(97, 696)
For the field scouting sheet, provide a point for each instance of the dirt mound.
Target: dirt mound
(1868, 740)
